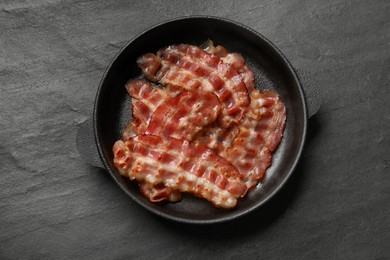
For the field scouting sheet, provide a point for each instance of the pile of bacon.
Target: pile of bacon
(199, 126)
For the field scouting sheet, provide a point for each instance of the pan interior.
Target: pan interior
(272, 71)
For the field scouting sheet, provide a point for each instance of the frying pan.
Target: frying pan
(112, 111)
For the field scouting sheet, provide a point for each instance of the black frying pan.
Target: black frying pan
(272, 71)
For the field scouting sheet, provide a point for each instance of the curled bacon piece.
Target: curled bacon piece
(238, 62)
(185, 66)
(146, 99)
(185, 166)
(234, 59)
(259, 134)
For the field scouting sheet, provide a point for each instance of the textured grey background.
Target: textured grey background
(55, 206)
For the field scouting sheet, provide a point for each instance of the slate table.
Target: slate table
(53, 205)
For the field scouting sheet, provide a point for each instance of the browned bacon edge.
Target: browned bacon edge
(185, 166)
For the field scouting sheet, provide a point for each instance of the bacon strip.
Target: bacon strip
(259, 134)
(189, 67)
(146, 99)
(238, 62)
(249, 145)
(185, 115)
(234, 59)
(185, 166)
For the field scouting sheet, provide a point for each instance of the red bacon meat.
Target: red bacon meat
(181, 117)
(146, 99)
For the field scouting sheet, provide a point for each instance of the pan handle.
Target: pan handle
(86, 145)
(313, 95)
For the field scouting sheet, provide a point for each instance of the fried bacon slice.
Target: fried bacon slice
(249, 145)
(238, 62)
(185, 66)
(259, 134)
(234, 59)
(146, 99)
(155, 112)
(186, 166)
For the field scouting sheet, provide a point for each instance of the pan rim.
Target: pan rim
(289, 68)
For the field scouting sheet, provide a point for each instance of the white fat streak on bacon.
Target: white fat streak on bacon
(184, 166)
(259, 133)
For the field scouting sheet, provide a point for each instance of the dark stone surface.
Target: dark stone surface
(55, 206)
